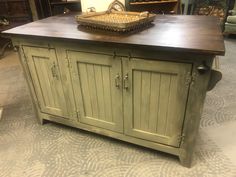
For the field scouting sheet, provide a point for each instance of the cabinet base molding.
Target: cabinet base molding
(185, 160)
(111, 134)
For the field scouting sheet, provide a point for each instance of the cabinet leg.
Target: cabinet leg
(186, 160)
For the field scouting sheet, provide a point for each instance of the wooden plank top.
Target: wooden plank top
(185, 33)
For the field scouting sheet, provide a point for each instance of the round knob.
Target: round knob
(203, 68)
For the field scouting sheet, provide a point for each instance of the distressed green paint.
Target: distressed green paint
(73, 85)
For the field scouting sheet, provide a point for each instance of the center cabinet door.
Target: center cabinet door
(96, 80)
(155, 98)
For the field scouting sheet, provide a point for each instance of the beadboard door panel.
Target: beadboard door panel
(155, 100)
(46, 79)
(96, 80)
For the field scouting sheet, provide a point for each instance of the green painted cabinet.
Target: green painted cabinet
(135, 99)
(139, 99)
(46, 80)
(155, 98)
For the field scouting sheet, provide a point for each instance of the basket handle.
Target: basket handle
(91, 9)
(116, 5)
(144, 14)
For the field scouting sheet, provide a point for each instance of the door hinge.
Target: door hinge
(129, 57)
(114, 54)
(24, 57)
(190, 79)
(182, 138)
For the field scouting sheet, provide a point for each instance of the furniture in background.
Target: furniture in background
(147, 92)
(42, 8)
(64, 6)
(16, 12)
(47, 8)
(154, 6)
(230, 25)
(217, 8)
(187, 7)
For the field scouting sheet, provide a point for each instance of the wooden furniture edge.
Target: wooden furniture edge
(198, 89)
(124, 45)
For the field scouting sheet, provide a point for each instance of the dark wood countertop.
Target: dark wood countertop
(185, 33)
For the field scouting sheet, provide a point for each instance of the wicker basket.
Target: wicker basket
(119, 21)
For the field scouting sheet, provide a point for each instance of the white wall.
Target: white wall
(100, 5)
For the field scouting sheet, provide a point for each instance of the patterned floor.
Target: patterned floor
(28, 149)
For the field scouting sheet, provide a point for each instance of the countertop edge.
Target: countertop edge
(162, 48)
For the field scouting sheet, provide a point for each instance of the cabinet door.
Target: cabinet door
(46, 79)
(96, 80)
(155, 99)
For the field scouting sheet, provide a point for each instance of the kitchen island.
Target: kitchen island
(147, 87)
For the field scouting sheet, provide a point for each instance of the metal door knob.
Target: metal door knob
(203, 68)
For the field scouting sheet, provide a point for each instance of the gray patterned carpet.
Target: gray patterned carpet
(28, 149)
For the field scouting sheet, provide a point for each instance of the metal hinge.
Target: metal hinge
(190, 79)
(130, 57)
(181, 138)
(70, 66)
(24, 56)
(114, 54)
